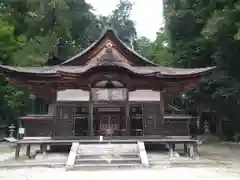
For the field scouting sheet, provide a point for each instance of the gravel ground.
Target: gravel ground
(140, 174)
(226, 167)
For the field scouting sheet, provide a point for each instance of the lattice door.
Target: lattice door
(109, 123)
(64, 122)
(152, 119)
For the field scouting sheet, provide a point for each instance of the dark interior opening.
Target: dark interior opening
(136, 119)
(81, 121)
(109, 121)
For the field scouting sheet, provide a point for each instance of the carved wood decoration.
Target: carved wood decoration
(108, 49)
(109, 37)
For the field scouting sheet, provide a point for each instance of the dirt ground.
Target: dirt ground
(141, 174)
(226, 166)
(223, 153)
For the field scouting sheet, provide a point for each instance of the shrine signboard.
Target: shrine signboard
(103, 94)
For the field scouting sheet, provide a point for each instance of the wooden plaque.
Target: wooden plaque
(103, 94)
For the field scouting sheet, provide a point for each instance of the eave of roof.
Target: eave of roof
(53, 71)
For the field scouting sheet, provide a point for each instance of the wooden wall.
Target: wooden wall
(64, 119)
(63, 123)
(41, 128)
(152, 119)
(176, 127)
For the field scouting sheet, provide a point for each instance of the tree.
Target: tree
(156, 51)
(65, 27)
(8, 42)
(184, 23)
(30, 31)
(205, 33)
(120, 20)
(144, 46)
(161, 53)
(222, 30)
(11, 99)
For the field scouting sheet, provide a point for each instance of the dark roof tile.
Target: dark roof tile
(81, 69)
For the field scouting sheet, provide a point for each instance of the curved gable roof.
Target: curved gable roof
(111, 35)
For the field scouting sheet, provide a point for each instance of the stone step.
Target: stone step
(103, 166)
(126, 155)
(108, 161)
(107, 155)
(107, 147)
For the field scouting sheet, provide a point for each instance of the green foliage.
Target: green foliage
(8, 43)
(32, 30)
(144, 46)
(161, 53)
(34, 51)
(120, 20)
(11, 98)
(158, 51)
(206, 33)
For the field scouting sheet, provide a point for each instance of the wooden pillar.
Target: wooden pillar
(90, 116)
(171, 150)
(127, 118)
(90, 119)
(191, 150)
(41, 148)
(17, 152)
(28, 150)
(196, 149)
(54, 114)
(143, 120)
(185, 149)
(174, 147)
(44, 149)
(162, 105)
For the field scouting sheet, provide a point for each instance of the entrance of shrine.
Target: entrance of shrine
(109, 121)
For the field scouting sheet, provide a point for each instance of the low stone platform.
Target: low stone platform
(56, 160)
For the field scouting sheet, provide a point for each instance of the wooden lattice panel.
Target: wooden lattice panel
(152, 118)
(64, 120)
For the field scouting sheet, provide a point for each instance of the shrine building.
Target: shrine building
(106, 90)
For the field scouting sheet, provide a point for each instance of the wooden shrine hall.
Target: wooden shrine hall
(106, 90)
